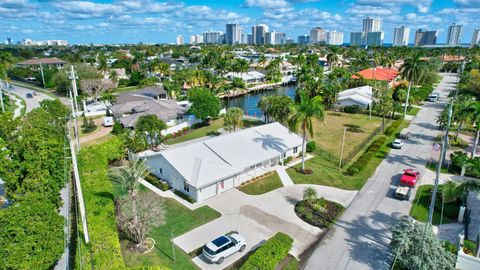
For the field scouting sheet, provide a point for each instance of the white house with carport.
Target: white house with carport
(360, 96)
(206, 168)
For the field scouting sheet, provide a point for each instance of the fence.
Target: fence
(353, 153)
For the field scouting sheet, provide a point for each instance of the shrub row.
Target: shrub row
(367, 156)
(393, 127)
(104, 251)
(259, 177)
(181, 132)
(270, 254)
(184, 196)
(157, 182)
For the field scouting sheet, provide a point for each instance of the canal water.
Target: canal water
(249, 102)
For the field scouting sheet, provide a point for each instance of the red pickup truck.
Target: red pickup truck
(410, 178)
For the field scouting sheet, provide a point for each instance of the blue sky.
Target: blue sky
(132, 21)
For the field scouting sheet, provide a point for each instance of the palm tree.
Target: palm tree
(303, 113)
(309, 194)
(414, 70)
(114, 77)
(473, 109)
(453, 191)
(233, 118)
(129, 179)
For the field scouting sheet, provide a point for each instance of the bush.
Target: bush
(117, 128)
(157, 182)
(311, 146)
(352, 170)
(88, 125)
(184, 196)
(449, 246)
(469, 247)
(270, 254)
(287, 160)
(352, 109)
(393, 127)
(367, 156)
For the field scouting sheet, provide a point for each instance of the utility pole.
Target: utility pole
(341, 151)
(1, 96)
(73, 77)
(408, 96)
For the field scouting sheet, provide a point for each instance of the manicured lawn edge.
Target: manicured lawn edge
(262, 184)
(270, 254)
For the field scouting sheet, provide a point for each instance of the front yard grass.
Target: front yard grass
(325, 169)
(328, 135)
(413, 111)
(178, 220)
(262, 185)
(420, 206)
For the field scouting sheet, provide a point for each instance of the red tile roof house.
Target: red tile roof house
(46, 62)
(380, 74)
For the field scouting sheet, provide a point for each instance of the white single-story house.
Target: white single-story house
(206, 168)
(248, 77)
(361, 96)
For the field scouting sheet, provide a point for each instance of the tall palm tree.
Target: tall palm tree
(473, 109)
(414, 70)
(114, 77)
(129, 179)
(303, 113)
(454, 191)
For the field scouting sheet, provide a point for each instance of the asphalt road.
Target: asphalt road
(360, 239)
(33, 102)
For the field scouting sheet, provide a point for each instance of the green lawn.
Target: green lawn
(262, 185)
(325, 168)
(329, 135)
(413, 111)
(179, 220)
(420, 206)
(292, 264)
(212, 127)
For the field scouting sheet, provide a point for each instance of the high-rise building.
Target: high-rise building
(192, 40)
(250, 39)
(334, 38)
(179, 40)
(289, 41)
(232, 33)
(304, 39)
(401, 36)
(454, 34)
(375, 38)
(258, 33)
(475, 38)
(371, 25)
(199, 39)
(270, 38)
(357, 38)
(280, 38)
(243, 38)
(9, 41)
(425, 37)
(318, 35)
(213, 37)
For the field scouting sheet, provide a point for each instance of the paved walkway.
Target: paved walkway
(360, 238)
(286, 180)
(259, 217)
(97, 134)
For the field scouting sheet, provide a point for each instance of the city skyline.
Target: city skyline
(131, 21)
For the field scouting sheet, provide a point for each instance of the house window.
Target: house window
(295, 150)
(186, 187)
(160, 170)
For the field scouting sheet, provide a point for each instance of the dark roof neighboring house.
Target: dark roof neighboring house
(380, 74)
(154, 92)
(43, 61)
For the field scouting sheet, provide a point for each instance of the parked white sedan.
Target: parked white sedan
(397, 143)
(224, 246)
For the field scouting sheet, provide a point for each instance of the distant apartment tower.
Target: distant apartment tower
(425, 37)
(233, 34)
(9, 41)
(280, 38)
(318, 35)
(213, 37)
(270, 38)
(289, 41)
(401, 36)
(192, 40)
(375, 38)
(357, 38)
(180, 40)
(334, 38)
(243, 37)
(196, 39)
(304, 39)
(258, 33)
(250, 39)
(475, 38)
(454, 34)
(371, 25)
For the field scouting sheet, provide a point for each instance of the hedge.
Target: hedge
(184, 196)
(157, 182)
(270, 254)
(367, 156)
(393, 127)
(103, 251)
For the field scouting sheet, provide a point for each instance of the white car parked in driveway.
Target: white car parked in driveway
(397, 143)
(224, 246)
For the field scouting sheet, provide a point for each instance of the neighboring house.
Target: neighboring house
(379, 74)
(473, 206)
(287, 68)
(130, 106)
(361, 96)
(248, 77)
(206, 168)
(121, 74)
(446, 58)
(46, 63)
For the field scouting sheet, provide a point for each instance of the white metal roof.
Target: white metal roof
(365, 91)
(208, 161)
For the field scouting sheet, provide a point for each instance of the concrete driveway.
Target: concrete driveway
(258, 218)
(360, 238)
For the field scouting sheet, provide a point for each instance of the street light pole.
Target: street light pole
(73, 77)
(341, 151)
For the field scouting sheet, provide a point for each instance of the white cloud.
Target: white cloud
(467, 3)
(266, 4)
(87, 10)
(372, 10)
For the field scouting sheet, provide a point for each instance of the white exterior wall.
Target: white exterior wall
(350, 102)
